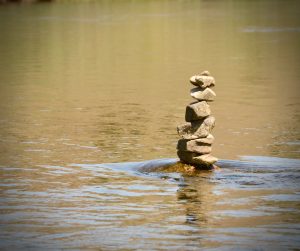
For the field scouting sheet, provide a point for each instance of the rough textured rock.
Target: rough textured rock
(202, 81)
(193, 146)
(193, 80)
(187, 157)
(194, 158)
(205, 73)
(205, 159)
(196, 129)
(208, 140)
(206, 94)
(196, 111)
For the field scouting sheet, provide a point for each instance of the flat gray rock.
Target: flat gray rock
(196, 159)
(196, 129)
(196, 111)
(202, 81)
(206, 159)
(186, 145)
(206, 94)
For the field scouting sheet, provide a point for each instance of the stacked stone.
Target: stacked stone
(195, 145)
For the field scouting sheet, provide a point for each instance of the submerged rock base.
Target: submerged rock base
(185, 169)
(195, 145)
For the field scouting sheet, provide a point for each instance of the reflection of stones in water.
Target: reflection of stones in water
(197, 197)
(195, 189)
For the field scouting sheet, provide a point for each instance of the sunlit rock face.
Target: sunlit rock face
(196, 141)
(196, 129)
(201, 94)
(195, 146)
(196, 111)
(203, 80)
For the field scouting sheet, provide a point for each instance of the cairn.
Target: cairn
(195, 145)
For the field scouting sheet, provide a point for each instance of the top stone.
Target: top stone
(205, 73)
(203, 80)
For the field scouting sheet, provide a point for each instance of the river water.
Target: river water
(84, 84)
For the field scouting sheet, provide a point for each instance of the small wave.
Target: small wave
(270, 29)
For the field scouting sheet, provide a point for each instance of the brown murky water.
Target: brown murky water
(82, 84)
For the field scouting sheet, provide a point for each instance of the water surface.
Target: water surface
(82, 84)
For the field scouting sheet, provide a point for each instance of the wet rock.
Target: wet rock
(197, 111)
(202, 81)
(205, 159)
(194, 158)
(196, 129)
(193, 146)
(206, 94)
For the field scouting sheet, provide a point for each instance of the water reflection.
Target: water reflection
(227, 204)
(196, 194)
(141, 206)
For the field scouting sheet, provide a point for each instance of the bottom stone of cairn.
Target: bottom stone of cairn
(205, 160)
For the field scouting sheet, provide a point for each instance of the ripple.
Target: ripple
(254, 29)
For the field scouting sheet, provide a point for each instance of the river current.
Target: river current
(90, 97)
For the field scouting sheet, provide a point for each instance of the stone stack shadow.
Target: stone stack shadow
(196, 141)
